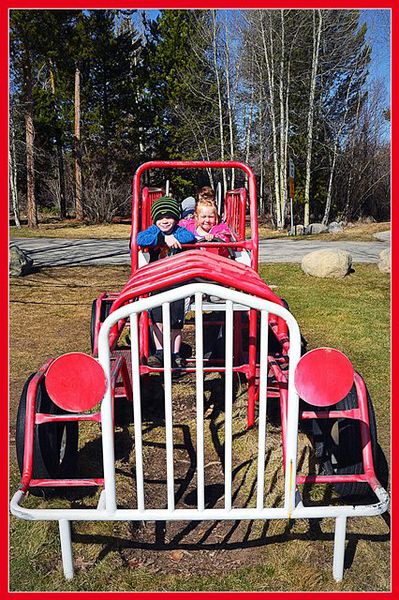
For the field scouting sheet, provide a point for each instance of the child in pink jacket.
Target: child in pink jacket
(205, 225)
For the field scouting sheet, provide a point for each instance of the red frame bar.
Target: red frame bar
(30, 413)
(32, 418)
(147, 198)
(235, 204)
(171, 164)
(361, 414)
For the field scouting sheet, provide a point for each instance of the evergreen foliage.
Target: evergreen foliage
(195, 85)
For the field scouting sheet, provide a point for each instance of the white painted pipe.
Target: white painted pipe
(66, 548)
(339, 548)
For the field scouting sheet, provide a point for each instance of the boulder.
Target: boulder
(335, 227)
(297, 230)
(19, 262)
(314, 228)
(384, 264)
(327, 263)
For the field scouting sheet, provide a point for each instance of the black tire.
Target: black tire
(55, 446)
(341, 448)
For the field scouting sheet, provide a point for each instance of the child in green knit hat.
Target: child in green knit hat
(165, 235)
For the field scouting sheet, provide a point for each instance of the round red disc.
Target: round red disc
(76, 382)
(323, 376)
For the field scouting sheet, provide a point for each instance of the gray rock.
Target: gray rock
(335, 227)
(315, 228)
(385, 261)
(297, 230)
(327, 263)
(19, 262)
(384, 236)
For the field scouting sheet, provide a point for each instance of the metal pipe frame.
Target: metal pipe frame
(292, 507)
(170, 164)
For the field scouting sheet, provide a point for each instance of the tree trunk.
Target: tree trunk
(282, 170)
(60, 155)
(30, 168)
(330, 182)
(229, 107)
(315, 59)
(78, 158)
(335, 150)
(270, 77)
(347, 210)
(261, 161)
(220, 106)
(13, 173)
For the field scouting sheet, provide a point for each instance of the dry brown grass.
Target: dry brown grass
(74, 229)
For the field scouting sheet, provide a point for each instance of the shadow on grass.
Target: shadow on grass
(200, 535)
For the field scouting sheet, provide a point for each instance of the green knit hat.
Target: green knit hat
(165, 206)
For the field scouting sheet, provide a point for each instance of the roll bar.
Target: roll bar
(193, 164)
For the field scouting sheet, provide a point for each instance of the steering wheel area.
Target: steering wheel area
(220, 241)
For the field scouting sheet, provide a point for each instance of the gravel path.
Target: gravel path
(56, 252)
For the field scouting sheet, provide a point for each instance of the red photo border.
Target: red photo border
(4, 354)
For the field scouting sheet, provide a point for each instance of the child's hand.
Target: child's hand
(172, 242)
(208, 237)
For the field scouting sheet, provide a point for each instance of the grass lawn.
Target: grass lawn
(53, 228)
(50, 315)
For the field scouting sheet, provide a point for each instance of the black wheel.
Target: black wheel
(55, 445)
(340, 447)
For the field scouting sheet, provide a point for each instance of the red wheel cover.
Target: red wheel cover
(76, 382)
(323, 376)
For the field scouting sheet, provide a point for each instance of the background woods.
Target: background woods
(95, 93)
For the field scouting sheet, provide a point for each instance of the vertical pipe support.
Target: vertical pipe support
(228, 413)
(339, 548)
(199, 364)
(264, 343)
(134, 344)
(66, 548)
(167, 358)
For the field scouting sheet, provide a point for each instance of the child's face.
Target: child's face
(165, 223)
(206, 217)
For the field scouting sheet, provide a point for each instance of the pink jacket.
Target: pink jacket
(220, 230)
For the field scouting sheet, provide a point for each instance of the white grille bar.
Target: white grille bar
(167, 358)
(138, 443)
(264, 344)
(199, 365)
(228, 411)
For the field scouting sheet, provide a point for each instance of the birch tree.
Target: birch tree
(12, 161)
(348, 60)
(317, 30)
(22, 54)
